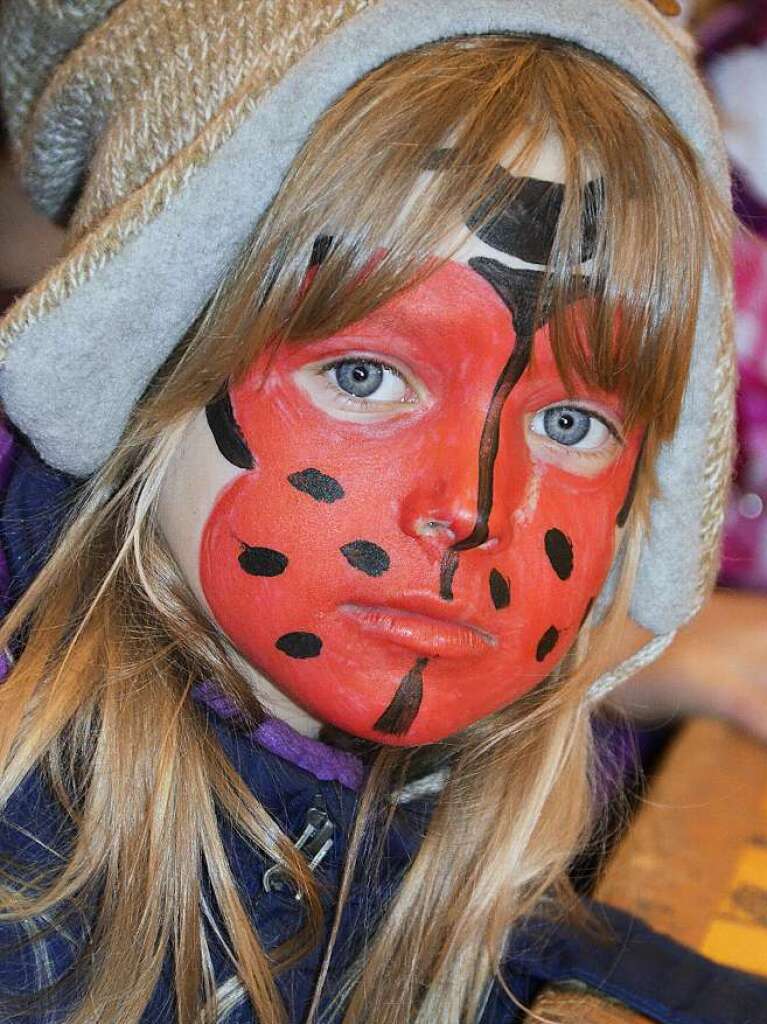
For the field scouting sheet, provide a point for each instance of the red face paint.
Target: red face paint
(347, 565)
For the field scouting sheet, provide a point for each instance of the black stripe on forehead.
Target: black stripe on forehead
(520, 291)
(526, 225)
(527, 213)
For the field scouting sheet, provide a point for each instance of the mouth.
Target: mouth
(424, 634)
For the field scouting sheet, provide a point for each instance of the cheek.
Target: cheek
(195, 478)
(249, 553)
(310, 528)
(282, 547)
(561, 554)
(544, 580)
(246, 555)
(564, 555)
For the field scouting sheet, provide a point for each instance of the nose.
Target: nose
(441, 513)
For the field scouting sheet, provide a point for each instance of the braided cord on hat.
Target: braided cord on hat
(644, 656)
(718, 465)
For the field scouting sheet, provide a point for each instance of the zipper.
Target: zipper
(315, 843)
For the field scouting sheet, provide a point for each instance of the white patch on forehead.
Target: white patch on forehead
(547, 165)
(463, 245)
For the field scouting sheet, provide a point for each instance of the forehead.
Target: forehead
(486, 293)
(454, 323)
(545, 167)
(473, 303)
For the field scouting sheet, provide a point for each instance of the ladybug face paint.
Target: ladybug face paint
(418, 514)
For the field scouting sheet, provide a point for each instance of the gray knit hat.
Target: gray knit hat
(165, 128)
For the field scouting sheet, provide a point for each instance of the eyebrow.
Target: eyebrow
(528, 212)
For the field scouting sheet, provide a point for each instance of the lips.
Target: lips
(424, 634)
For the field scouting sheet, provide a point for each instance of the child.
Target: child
(372, 339)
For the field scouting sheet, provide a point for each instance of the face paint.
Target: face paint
(227, 433)
(412, 549)
(500, 590)
(528, 211)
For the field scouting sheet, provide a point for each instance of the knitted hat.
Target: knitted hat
(165, 128)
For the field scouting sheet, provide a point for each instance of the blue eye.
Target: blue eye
(570, 426)
(566, 426)
(367, 380)
(359, 377)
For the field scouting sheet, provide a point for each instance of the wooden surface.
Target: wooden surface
(694, 862)
(563, 1007)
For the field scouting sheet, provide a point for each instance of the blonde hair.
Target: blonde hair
(99, 701)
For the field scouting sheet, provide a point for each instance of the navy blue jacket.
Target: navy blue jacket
(633, 964)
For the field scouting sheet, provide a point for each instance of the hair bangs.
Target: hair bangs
(639, 228)
(411, 154)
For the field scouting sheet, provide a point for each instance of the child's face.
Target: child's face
(429, 513)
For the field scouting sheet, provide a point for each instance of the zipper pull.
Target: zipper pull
(314, 842)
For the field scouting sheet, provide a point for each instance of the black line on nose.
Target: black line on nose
(519, 289)
(447, 570)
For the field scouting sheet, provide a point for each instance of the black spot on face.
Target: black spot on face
(317, 485)
(406, 703)
(367, 557)
(559, 549)
(500, 591)
(300, 645)
(262, 561)
(547, 643)
(229, 439)
(623, 515)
